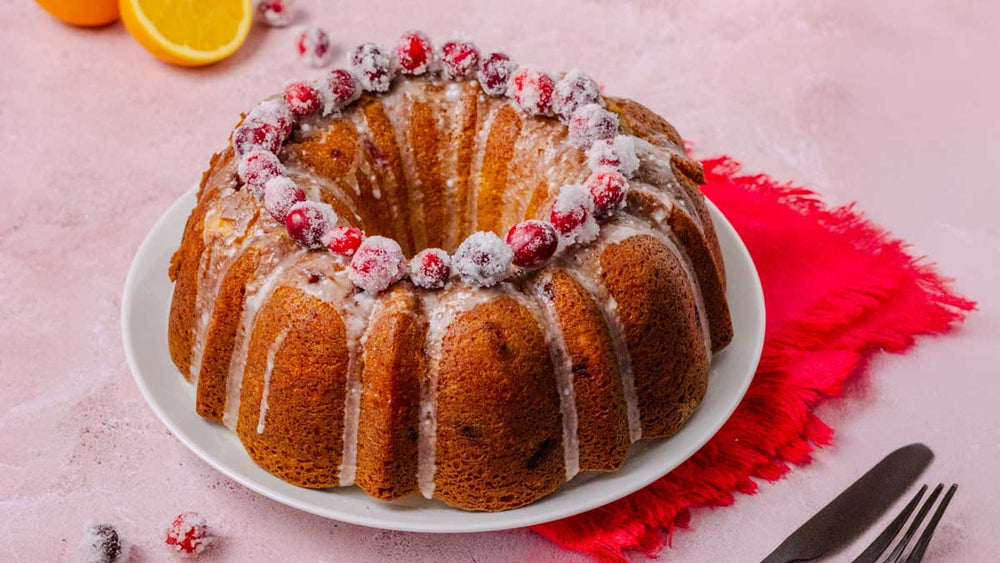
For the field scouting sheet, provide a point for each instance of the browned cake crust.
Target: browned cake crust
(427, 167)
(499, 436)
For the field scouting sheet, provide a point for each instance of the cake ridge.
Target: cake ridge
(272, 352)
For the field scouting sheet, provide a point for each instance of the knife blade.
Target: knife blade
(855, 509)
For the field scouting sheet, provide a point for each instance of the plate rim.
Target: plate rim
(423, 523)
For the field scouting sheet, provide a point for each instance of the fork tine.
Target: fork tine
(917, 555)
(881, 543)
(921, 514)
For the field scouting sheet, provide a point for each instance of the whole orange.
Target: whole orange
(87, 13)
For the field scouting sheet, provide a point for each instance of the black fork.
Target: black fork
(882, 542)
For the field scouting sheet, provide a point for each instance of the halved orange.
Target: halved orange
(87, 14)
(188, 32)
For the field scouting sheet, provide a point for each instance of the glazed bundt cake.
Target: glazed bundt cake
(482, 371)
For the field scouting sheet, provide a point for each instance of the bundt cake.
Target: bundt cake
(483, 371)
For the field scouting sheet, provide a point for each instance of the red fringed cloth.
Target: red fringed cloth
(837, 290)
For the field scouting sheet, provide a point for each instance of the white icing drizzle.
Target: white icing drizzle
(356, 308)
(563, 365)
(442, 308)
(268, 370)
(478, 154)
(258, 290)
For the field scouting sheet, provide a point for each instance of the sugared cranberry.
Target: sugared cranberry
(378, 263)
(338, 90)
(308, 222)
(458, 59)
(280, 194)
(483, 259)
(495, 73)
(414, 53)
(302, 99)
(103, 543)
(430, 268)
(533, 243)
(532, 91)
(273, 112)
(188, 535)
(590, 123)
(608, 188)
(574, 90)
(254, 135)
(314, 46)
(617, 153)
(573, 215)
(275, 13)
(345, 240)
(372, 66)
(256, 168)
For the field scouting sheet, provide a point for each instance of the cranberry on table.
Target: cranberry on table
(430, 268)
(103, 543)
(188, 535)
(275, 13)
(533, 242)
(414, 53)
(308, 222)
(458, 59)
(313, 46)
(345, 240)
(495, 73)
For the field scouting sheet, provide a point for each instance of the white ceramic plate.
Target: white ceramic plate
(145, 307)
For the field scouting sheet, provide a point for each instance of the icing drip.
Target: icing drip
(257, 293)
(563, 364)
(442, 307)
(271, 353)
(356, 308)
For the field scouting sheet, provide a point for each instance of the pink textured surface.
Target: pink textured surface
(893, 106)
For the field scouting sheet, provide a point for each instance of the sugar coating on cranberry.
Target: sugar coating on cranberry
(275, 13)
(274, 112)
(345, 240)
(372, 66)
(573, 90)
(495, 73)
(302, 99)
(103, 543)
(308, 222)
(188, 535)
(378, 263)
(338, 90)
(532, 91)
(459, 59)
(483, 259)
(254, 135)
(313, 45)
(430, 268)
(256, 168)
(608, 188)
(533, 242)
(591, 122)
(414, 53)
(617, 153)
(280, 194)
(573, 215)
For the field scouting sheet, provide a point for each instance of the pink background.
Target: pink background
(893, 105)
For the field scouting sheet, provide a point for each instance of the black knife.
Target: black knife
(856, 509)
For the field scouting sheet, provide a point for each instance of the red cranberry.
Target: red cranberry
(495, 73)
(533, 243)
(574, 90)
(608, 188)
(413, 53)
(345, 240)
(458, 59)
(308, 222)
(275, 13)
(373, 67)
(340, 89)
(280, 194)
(256, 168)
(314, 46)
(302, 98)
(590, 123)
(573, 214)
(188, 535)
(378, 263)
(430, 268)
(256, 135)
(104, 543)
(532, 91)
